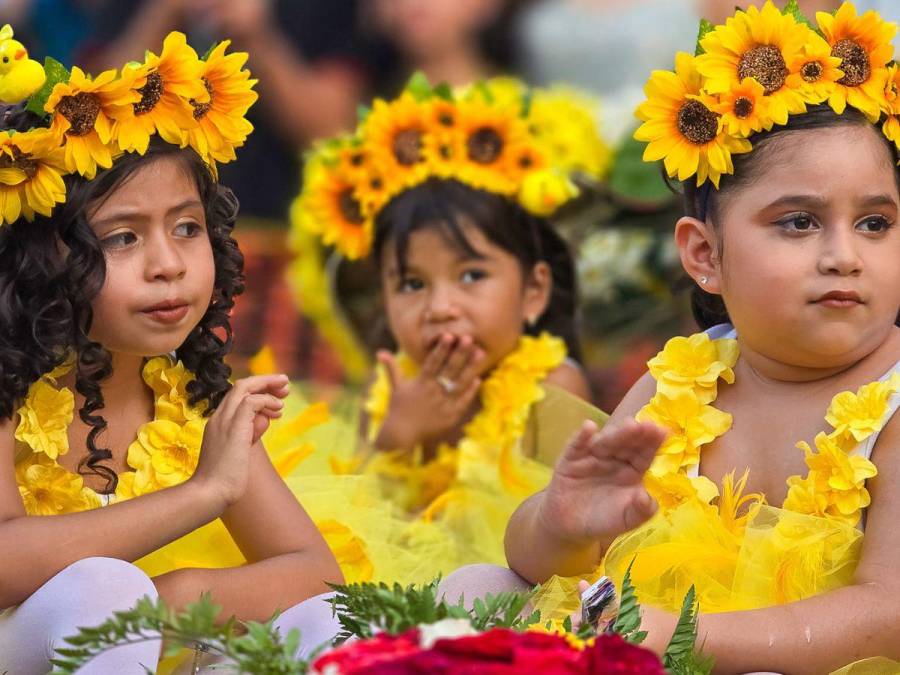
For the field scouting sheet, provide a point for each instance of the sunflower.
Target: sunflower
(394, 132)
(815, 71)
(32, 165)
(167, 85)
(681, 130)
(891, 126)
(746, 109)
(222, 126)
(495, 143)
(758, 44)
(81, 112)
(328, 207)
(863, 43)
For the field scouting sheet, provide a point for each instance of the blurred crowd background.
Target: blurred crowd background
(317, 60)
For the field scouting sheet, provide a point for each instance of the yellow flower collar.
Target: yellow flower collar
(491, 436)
(165, 452)
(686, 373)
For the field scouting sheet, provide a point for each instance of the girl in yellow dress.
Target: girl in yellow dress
(752, 457)
(119, 429)
(448, 193)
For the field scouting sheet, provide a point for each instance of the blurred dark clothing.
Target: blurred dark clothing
(57, 28)
(266, 176)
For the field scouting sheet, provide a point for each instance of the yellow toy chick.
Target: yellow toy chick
(20, 76)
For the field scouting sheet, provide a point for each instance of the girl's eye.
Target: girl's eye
(798, 222)
(875, 224)
(188, 229)
(471, 276)
(119, 240)
(410, 284)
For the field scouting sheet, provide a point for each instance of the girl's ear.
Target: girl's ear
(698, 248)
(538, 287)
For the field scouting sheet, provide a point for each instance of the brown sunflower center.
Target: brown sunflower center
(350, 207)
(445, 119)
(743, 106)
(200, 109)
(81, 110)
(697, 123)
(150, 94)
(766, 64)
(812, 71)
(854, 62)
(408, 147)
(484, 146)
(20, 161)
(445, 151)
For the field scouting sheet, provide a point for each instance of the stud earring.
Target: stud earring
(704, 280)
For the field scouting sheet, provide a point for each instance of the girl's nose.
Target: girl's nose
(164, 260)
(442, 305)
(840, 254)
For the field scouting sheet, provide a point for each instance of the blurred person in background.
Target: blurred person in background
(452, 41)
(57, 28)
(312, 71)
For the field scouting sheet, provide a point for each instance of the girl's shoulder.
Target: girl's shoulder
(570, 376)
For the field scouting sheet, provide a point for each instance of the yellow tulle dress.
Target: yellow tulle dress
(738, 551)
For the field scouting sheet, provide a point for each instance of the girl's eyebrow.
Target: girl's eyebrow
(137, 216)
(819, 201)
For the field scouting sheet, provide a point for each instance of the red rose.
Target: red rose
(611, 655)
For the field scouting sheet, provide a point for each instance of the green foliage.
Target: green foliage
(705, 27)
(791, 7)
(634, 179)
(419, 86)
(362, 112)
(54, 72)
(628, 621)
(260, 650)
(366, 609)
(680, 656)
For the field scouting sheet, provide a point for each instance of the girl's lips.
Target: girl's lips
(167, 314)
(840, 299)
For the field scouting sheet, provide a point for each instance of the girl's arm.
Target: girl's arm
(829, 631)
(289, 559)
(552, 532)
(34, 548)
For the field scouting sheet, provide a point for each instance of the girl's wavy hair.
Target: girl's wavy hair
(52, 269)
(450, 205)
(704, 202)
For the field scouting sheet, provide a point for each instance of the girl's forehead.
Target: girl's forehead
(153, 186)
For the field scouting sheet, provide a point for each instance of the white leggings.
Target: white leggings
(87, 592)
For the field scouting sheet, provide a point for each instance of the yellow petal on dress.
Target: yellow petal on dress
(861, 414)
(44, 419)
(164, 454)
(169, 381)
(694, 363)
(47, 489)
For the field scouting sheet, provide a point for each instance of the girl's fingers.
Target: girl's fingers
(472, 368)
(468, 394)
(390, 365)
(255, 384)
(458, 359)
(580, 444)
(437, 356)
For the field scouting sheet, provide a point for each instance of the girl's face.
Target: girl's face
(810, 265)
(159, 261)
(445, 291)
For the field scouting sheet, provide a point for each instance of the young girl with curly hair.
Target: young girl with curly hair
(120, 431)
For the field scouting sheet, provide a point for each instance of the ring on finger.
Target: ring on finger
(448, 385)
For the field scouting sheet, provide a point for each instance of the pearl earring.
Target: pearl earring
(704, 279)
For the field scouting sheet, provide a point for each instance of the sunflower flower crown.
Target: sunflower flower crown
(186, 99)
(756, 70)
(497, 135)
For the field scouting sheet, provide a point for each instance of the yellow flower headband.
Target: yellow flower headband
(497, 135)
(185, 99)
(757, 69)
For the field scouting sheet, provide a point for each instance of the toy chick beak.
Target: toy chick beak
(20, 54)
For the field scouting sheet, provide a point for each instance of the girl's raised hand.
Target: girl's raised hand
(427, 406)
(237, 424)
(597, 492)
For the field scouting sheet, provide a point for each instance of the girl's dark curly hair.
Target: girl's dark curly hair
(704, 202)
(449, 205)
(52, 269)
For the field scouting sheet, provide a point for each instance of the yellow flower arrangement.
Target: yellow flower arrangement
(674, 489)
(164, 454)
(47, 489)
(44, 419)
(680, 130)
(221, 125)
(31, 169)
(861, 414)
(507, 395)
(168, 84)
(695, 364)
(752, 73)
(863, 43)
(87, 123)
(169, 382)
(81, 112)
